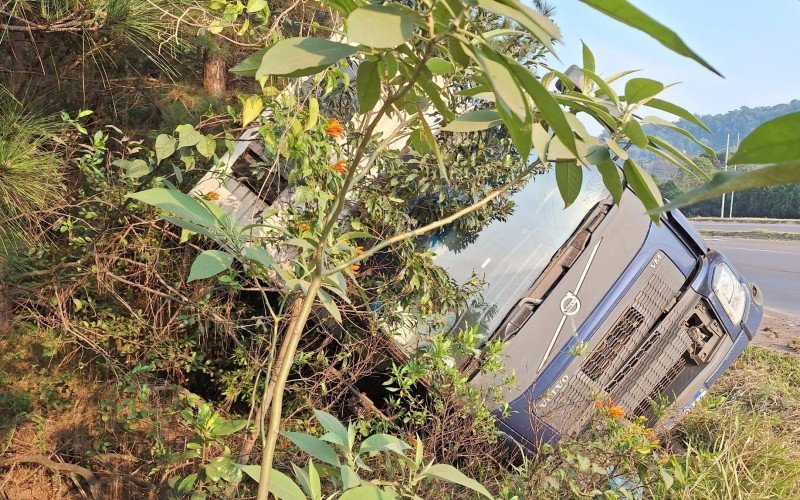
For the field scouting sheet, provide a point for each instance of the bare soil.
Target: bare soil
(779, 332)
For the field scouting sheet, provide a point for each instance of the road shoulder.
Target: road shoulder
(779, 332)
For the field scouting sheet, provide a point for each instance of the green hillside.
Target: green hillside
(740, 122)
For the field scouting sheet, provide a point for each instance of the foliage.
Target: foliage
(300, 301)
(344, 464)
(30, 173)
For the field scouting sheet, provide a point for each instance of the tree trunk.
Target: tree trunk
(215, 74)
(5, 310)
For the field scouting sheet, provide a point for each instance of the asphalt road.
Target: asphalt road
(773, 265)
(747, 226)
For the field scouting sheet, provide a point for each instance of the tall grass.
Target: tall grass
(31, 167)
(744, 440)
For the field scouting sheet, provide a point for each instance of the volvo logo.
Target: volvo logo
(570, 304)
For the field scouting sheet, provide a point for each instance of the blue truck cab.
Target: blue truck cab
(595, 302)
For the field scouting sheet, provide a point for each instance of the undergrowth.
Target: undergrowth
(141, 433)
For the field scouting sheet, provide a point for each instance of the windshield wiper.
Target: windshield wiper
(564, 260)
(522, 312)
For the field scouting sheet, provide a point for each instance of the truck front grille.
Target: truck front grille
(639, 358)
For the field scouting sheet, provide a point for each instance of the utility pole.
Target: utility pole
(730, 208)
(727, 147)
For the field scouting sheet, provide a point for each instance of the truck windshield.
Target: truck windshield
(508, 255)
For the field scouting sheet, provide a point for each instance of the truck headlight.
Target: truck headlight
(729, 291)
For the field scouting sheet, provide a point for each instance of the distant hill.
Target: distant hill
(740, 121)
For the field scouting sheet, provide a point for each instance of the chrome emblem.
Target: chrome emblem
(570, 304)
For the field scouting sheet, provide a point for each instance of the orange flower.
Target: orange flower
(335, 128)
(359, 250)
(303, 226)
(211, 196)
(340, 167)
(354, 267)
(655, 442)
(616, 411)
(609, 409)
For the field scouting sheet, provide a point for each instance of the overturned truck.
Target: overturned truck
(593, 301)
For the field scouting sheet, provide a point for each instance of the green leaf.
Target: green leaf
(228, 428)
(380, 26)
(598, 154)
(313, 113)
(453, 475)
(209, 263)
(188, 226)
(602, 85)
(547, 106)
(457, 52)
(330, 305)
(639, 89)
(624, 12)
(538, 25)
(249, 67)
(343, 6)
(687, 162)
(280, 484)
(251, 109)
(222, 468)
(676, 110)
(473, 121)
(660, 122)
(207, 146)
(366, 493)
(301, 56)
(383, 442)
(309, 480)
(368, 85)
(188, 136)
(259, 255)
(588, 58)
(313, 447)
(165, 147)
(776, 141)
(569, 177)
(134, 169)
(725, 182)
(635, 133)
(332, 425)
(503, 84)
(439, 66)
(349, 477)
(434, 93)
(255, 5)
(186, 484)
(666, 477)
(644, 186)
(178, 204)
(612, 179)
(520, 130)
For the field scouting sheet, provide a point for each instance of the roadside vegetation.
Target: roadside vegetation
(150, 346)
(758, 234)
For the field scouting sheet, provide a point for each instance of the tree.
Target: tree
(407, 62)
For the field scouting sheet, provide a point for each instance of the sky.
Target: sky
(755, 45)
